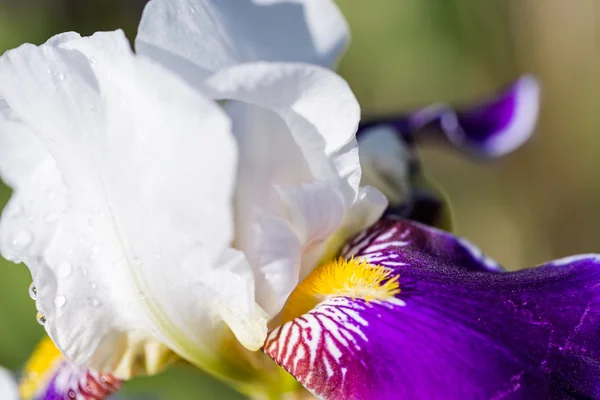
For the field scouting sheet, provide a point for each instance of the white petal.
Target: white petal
(385, 161)
(147, 165)
(298, 173)
(316, 210)
(366, 210)
(318, 107)
(196, 37)
(277, 252)
(8, 386)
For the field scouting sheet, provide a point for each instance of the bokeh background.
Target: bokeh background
(539, 203)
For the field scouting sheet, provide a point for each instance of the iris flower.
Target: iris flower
(200, 201)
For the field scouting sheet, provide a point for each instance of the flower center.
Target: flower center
(341, 278)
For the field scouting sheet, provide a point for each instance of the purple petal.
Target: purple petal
(454, 331)
(73, 382)
(48, 376)
(395, 243)
(489, 129)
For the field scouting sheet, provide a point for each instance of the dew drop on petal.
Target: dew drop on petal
(22, 239)
(32, 291)
(72, 394)
(94, 302)
(60, 301)
(137, 261)
(141, 295)
(93, 60)
(60, 76)
(41, 318)
(94, 285)
(192, 10)
(96, 249)
(64, 269)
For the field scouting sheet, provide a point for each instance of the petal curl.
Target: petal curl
(317, 105)
(454, 330)
(489, 129)
(197, 37)
(131, 144)
(492, 129)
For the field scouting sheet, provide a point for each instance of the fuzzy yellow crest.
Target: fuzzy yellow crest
(341, 278)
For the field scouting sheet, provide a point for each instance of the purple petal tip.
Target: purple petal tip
(493, 128)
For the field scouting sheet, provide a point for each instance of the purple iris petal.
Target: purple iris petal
(489, 129)
(455, 331)
(73, 382)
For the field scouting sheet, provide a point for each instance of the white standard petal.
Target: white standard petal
(138, 254)
(297, 186)
(317, 105)
(8, 386)
(197, 37)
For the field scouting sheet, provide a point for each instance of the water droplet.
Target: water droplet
(137, 261)
(94, 285)
(192, 10)
(41, 318)
(94, 302)
(100, 213)
(96, 248)
(22, 239)
(32, 291)
(157, 256)
(64, 269)
(141, 295)
(60, 301)
(93, 60)
(72, 394)
(51, 217)
(60, 76)
(50, 140)
(90, 222)
(84, 271)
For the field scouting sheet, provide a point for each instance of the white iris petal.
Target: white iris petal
(8, 386)
(138, 251)
(198, 37)
(298, 194)
(144, 229)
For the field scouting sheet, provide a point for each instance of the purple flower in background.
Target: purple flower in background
(487, 130)
(412, 312)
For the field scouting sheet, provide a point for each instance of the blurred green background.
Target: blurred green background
(534, 205)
